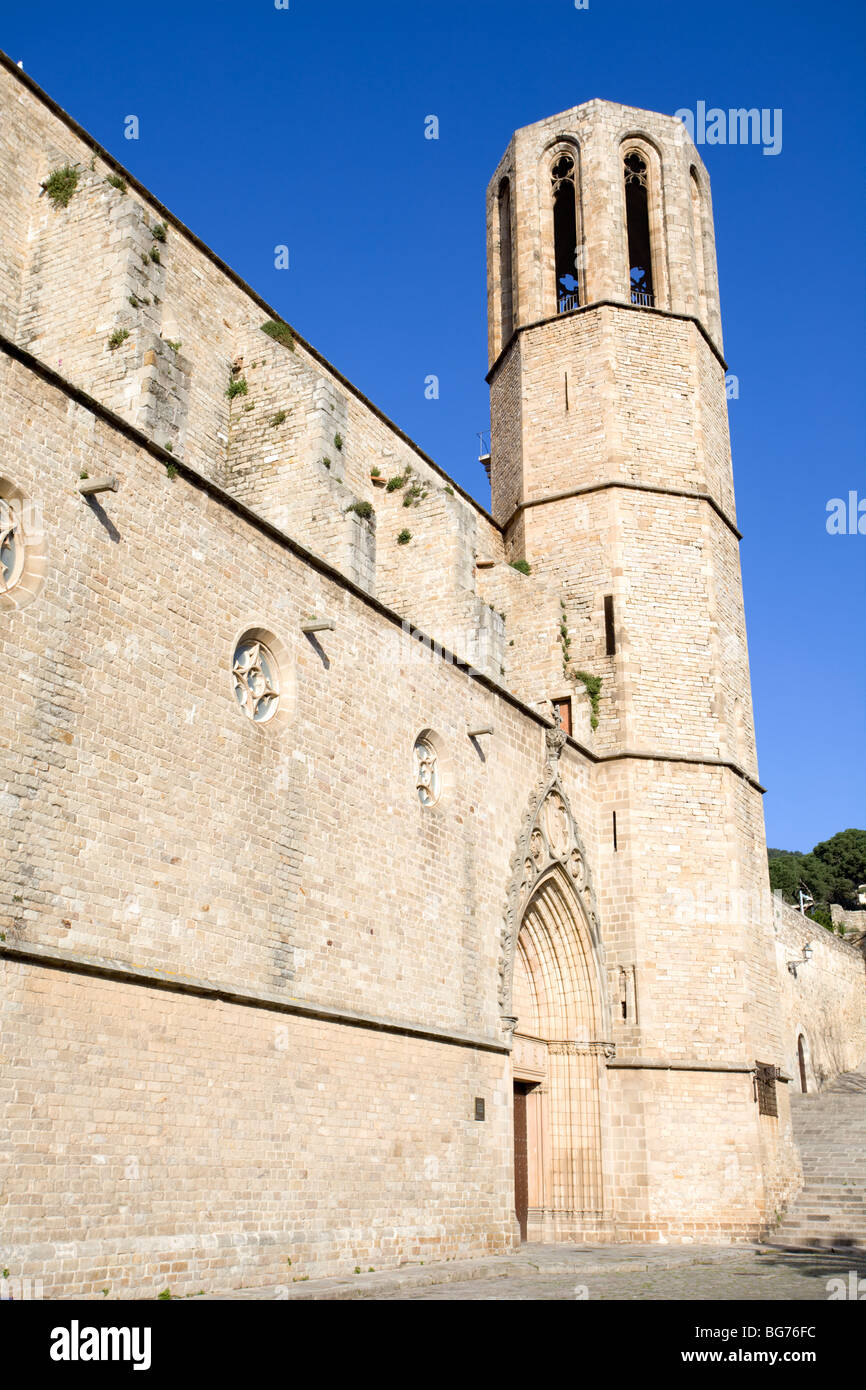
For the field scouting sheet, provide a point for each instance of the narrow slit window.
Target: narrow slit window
(638, 226)
(506, 290)
(609, 628)
(615, 845)
(698, 236)
(565, 234)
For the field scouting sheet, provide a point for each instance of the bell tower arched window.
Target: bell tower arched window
(565, 250)
(698, 237)
(638, 226)
(506, 287)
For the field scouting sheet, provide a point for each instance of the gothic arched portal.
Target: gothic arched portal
(554, 999)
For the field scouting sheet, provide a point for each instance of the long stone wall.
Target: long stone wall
(148, 826)
(824, 1001)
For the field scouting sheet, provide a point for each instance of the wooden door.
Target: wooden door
(521, 1158)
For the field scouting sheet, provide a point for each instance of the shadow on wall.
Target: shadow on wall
(836, 1067)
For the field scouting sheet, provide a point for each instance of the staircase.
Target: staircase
(829, 1212)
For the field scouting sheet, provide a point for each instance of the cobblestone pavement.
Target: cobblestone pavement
(780, 1276)
(560, 1273)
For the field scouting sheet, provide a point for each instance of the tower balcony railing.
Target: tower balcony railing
(571, 300)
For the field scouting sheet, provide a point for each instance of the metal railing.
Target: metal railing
(642, 297)
(569, 301)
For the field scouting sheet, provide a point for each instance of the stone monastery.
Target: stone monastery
(383, 878)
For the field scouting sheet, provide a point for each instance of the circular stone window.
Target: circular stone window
(428, 771)
(11, 547)
(256, 679)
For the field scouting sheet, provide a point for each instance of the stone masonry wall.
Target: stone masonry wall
(148, 825)
(825, 1001)
(196, 1144)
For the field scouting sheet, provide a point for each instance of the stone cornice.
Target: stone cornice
(629, 486)
(740, 1069)
(604, 304)
(174, 983)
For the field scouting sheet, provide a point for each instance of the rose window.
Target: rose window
(256, 680)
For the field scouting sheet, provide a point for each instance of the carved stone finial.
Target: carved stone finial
(556, 740)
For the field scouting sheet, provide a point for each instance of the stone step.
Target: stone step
(833, 1239)
(821, 1230)
(829, 1212)
(810, 1206)
(808, 1215)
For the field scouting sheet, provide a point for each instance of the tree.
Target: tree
(786, 872)
(831, 871)
(844, 860)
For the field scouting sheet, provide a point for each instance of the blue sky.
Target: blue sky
(304, 126)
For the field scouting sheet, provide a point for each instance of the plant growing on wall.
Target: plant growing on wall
(278, 418)
(116, 182)
(404, 537)
(396, 482)
(238, 387)
(591, 684)
(61, 184)
(522, 566)
(159, 231)
(118, 336)
(280, 332)
(564, 639)
(362, 509)
(413, 495)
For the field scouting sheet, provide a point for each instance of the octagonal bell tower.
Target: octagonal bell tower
(611, 476)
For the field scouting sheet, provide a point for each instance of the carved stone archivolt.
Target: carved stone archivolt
(549, 838)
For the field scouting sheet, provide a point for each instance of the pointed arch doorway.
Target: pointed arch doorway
(559, 1185)
(554, 996)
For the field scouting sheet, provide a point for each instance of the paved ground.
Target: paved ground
(756, 1276)
(547, 1273)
